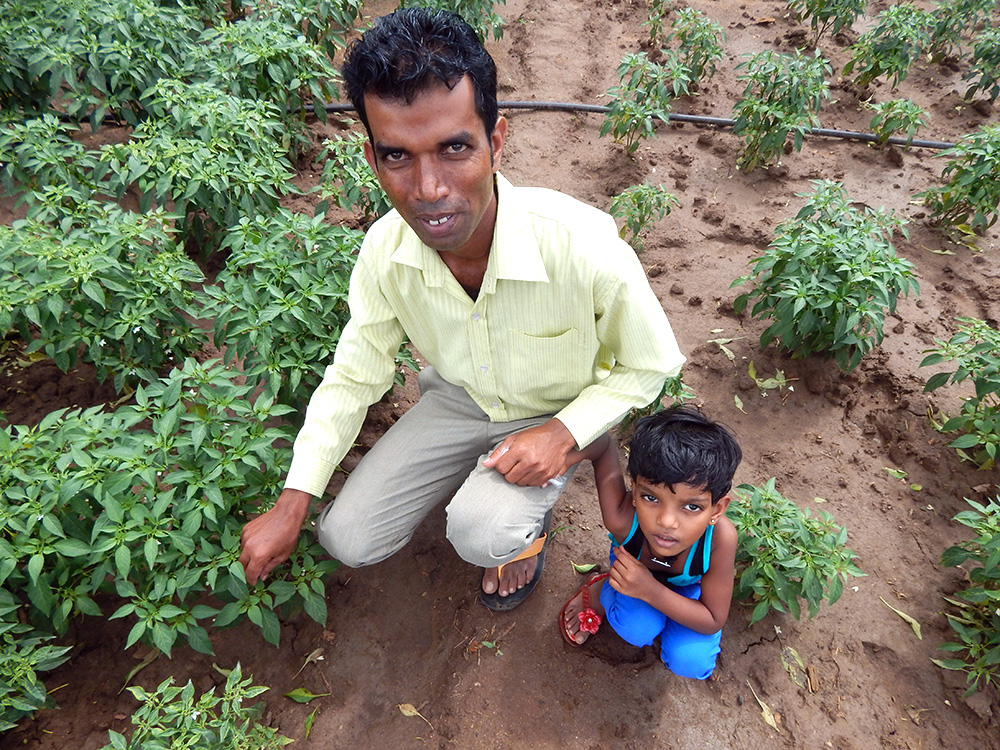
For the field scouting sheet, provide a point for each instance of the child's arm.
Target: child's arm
(615, 501)
(706, 614)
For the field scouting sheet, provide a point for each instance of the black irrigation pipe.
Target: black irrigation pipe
(718, 122)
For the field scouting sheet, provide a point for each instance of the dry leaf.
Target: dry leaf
(316, 655)
(721, 343)
(408, 709)
(794, 665)
(739, 403)
(765, 710)
(813, 679)
(913, 623)
(147, 658)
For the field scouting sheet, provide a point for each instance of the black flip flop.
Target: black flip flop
(499, 603)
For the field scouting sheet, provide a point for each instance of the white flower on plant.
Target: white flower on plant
(102, 342)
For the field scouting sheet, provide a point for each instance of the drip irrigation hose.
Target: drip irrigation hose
(718, 122)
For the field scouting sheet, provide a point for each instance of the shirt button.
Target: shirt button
(484, 368)
(495, 405)
(476, 316)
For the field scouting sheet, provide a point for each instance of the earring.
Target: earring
(712, 522)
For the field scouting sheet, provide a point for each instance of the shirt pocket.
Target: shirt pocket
(549, 368)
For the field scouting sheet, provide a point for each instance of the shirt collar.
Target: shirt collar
(514, 255)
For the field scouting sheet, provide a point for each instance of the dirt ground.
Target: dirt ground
(410, 630)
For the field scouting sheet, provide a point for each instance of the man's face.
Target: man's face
(434, 161)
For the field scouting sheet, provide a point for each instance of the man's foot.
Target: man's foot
(515, 575)
(506, 586)
(587, 600)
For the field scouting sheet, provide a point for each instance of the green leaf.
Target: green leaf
(965, 441)
(301, 695)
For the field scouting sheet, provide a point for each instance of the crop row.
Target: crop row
(144, 502)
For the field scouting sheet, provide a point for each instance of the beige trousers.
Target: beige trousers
(434, 450)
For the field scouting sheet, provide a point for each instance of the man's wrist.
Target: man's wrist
(560, 433)
(294, 502)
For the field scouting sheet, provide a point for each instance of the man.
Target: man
(537, 321)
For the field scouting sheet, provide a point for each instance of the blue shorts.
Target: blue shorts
(685, 652)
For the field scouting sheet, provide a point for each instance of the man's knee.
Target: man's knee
(481, 537)
(352, 545)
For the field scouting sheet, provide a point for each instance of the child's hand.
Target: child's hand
(630, 577)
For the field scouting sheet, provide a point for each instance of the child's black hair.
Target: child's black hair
(680, 445)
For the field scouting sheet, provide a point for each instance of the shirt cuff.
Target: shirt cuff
(309, 474)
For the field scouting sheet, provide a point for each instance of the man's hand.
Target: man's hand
(532, 457)
(269, 539)
(630, 577)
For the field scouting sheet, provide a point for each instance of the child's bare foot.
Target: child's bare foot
(587, 600)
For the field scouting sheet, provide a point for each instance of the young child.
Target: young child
(672, 548)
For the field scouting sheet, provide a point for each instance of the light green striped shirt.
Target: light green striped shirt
(565, 323)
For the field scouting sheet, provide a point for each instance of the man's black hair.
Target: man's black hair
(680, 445)
(405, 51)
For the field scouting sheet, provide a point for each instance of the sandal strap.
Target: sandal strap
(531, 550)
(586, 588)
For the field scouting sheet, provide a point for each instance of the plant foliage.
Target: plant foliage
(92, 58)
(638, 205)
(785, 554)
(644, 93)
(782, 97)
(171, 718)
(479, 14)
(900, 34)
(98, 502)
(698, 42)
(39, 153)
(972, 354)
(348, 179)
(216, 156)
(828, 278)
(325, 23)
(984, 65)
(23, 654)
(976, 617)
(658, 10)
(105, 282)
(895, 116)
(834, 16)
(969, 201)
(952, 19)
(261, 58)
(281, 302)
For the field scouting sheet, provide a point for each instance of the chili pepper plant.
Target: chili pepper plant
(971, 354)
(828, 278)
(974, 614)
(786, 555)
(782, 97)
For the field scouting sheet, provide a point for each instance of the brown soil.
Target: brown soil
(411, 631)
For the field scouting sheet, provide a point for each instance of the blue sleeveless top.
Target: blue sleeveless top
(695, 566)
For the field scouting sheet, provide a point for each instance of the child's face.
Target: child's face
(672, 520)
